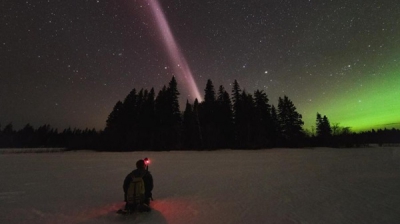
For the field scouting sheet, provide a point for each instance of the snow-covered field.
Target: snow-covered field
(265, 186)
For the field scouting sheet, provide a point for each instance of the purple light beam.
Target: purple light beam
(180, 66)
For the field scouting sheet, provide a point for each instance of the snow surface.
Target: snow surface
(228, 186)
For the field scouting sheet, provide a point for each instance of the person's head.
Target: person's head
(140, 164)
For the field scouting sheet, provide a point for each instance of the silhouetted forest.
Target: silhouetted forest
(236, 120)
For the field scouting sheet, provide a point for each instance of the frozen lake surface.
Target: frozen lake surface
(228, 186)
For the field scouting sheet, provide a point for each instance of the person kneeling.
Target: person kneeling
(138, 186)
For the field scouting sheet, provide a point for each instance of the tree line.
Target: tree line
(238, 120)
(47, 137)
(337, 136)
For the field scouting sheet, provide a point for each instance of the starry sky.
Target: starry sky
(66, 63)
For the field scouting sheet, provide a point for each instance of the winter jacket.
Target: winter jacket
(147, 179)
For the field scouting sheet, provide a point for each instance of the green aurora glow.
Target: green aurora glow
(371, 105)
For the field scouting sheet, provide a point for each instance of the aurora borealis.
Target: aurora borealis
(373, 105)
(66, 63)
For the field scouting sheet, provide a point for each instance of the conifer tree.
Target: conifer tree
(130, 120)
(324, 130)
(168, 116)
(129, 113)
(161, 107)
(188, 126)
(207, 117)
(262, 118)
(8, 129)
(237, 113)
(198, 136)
(147, 120)
(246, 123)
(209, 105)
(161, 116)
(236, 96)
(209, 96)
(173, 98)
(115, 119)
(319, 125)
(25, 136)
(327, 126)
(290, 122)
(114, 135)
(224, 119)
(275, 129)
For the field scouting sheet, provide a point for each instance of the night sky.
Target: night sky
(66, 63)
